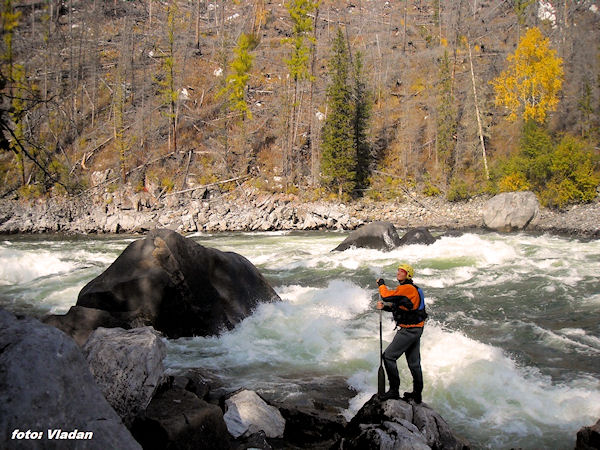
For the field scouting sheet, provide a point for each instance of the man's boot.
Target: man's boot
(392, 394)
(415, 396)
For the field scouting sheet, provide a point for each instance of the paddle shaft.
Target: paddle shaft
(381, 373)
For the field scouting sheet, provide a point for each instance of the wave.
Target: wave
(477, 387)
(18, 266)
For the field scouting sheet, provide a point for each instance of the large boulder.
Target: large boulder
(419, 235)
(375, 235)
(80, 321)
(588, 438)
(127, 365)
(246, 414)
(176, 285)
(511, 211)
(178, 419)
(398, 424)
(311, 427)
(45, 384)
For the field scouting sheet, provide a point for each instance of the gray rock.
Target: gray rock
(177, 419)
(179, 287)
(247, 413)
(127, 365)
(435, 429)
(511, 211)
(79, 322)
(398, 424)
(45, 384)
(375, 235)
(419, 235)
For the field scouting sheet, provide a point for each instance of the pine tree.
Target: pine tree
(338, 162)
(362, 114)
(237, 80)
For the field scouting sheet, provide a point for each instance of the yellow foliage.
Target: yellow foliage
(419, 85)
(514, 182)
(531, 83)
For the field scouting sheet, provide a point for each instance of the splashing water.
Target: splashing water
(509, 353)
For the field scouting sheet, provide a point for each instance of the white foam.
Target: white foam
(18, 266)
(581, 337)
(470, 381)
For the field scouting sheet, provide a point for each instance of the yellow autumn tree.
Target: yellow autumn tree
(529, 87)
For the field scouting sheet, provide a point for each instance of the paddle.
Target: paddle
(381, 373)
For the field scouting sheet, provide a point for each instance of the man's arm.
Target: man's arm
(394, 299)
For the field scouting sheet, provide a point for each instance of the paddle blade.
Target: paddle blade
(381, 381)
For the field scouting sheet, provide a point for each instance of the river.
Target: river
(510, 353)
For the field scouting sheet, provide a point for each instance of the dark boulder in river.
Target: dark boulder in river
(383, 236)
(175, 285)
(419, 235)
(375, 235)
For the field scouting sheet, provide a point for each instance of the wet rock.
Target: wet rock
(179, 287)
(127, 365)
(195, 381)
(375, 235)
(398, 424)
(178, 419)
(419, 235)
(79, 321)
(307, 427)
(588, 438)
(246, 413)
(45, 384)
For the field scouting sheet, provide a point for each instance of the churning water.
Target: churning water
(510, 354)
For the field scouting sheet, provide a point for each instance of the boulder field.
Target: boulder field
(248, 209)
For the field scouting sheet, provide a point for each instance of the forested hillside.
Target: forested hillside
(313, 98)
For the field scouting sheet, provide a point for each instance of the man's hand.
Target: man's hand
(380, 281)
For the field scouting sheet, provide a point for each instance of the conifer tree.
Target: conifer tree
(237, 80)
(362, 114)
(338, 162)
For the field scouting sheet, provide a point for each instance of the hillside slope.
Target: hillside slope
(132, 87)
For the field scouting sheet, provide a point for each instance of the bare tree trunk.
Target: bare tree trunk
(404, 39)
(479, 127)
(197, 41)
(311, 118)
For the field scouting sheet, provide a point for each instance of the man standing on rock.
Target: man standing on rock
(407, 304)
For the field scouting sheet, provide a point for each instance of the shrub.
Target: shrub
(572, 174)
(167, 184)
(514, 182)
(431, 190)
(559, 174)
(458, 191)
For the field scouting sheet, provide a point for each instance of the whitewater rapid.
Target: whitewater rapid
(509, 355)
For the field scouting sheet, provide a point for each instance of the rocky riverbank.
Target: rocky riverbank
(248, 209)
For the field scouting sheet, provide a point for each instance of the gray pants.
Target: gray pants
(407, 341)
